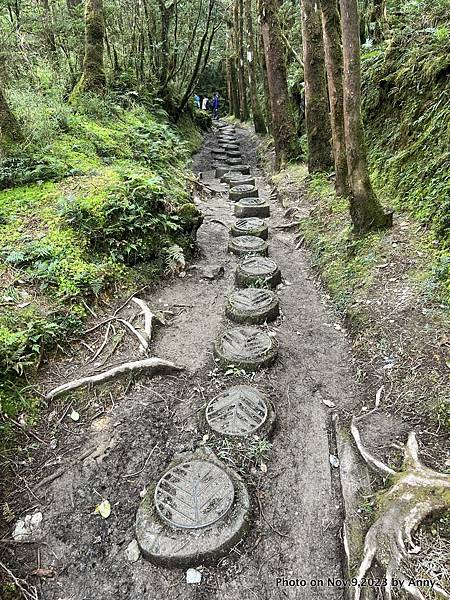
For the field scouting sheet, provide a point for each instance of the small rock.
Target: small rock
(212, 272)
(193, 576)
(132, 552)
(334, 461)
(26, 528)
(328, 403)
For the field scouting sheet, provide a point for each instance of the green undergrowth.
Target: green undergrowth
(348, 264)
(96, 202)
(406, 95)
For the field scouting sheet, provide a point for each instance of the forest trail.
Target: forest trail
(297, 513)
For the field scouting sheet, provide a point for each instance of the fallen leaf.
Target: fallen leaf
(263, 467)
(103, 509)
(378, 396)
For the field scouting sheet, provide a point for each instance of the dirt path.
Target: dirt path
(297, 521)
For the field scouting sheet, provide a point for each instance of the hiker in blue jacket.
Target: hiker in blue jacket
(215, 104)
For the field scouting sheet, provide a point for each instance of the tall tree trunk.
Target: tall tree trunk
(252, 67)
(93, 78)
(49, 34)
(318, 127)
(282, 123)
(239, 26)
(10, 131)
(365, 210)
(265, 81)
(333, 61)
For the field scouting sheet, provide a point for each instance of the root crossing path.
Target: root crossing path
(293, 548)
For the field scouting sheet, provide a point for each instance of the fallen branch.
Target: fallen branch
(153, 364)
(288, 225)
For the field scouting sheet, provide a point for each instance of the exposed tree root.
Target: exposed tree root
(416, 493)
(151, 364)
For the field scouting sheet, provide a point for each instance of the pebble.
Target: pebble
(193, 576)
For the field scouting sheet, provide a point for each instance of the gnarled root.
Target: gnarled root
(151, 365)
(416, 493)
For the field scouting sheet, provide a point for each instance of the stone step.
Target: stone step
(197, 511)
(240, 411)
(248, 244)
(250, 226)
(252, 306)
(247, 348)
(243, 191)
(257, 271)
(251, 207)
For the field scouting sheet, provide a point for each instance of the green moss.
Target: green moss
(407, 114)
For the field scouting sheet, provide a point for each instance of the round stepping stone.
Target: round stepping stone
(234, 161)
(252, 306)
(223, 169)
(234, 153)
(196, 513)
(243, 191)
(238, 411)
(257, 271)
(251, 226)
(237, 179)
(231, 147)
(241, 180)
(251, 207)
(175, 493)
(218, 152)
(246, 348)
(227, 139)
(244, 245)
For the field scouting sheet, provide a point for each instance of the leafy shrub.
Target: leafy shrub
(133, 224)
(25, 169)
(407, 111)
(202, 119)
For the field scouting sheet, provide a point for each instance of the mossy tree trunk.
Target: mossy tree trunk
(333, 61)
(365, 210)
(265, 82)
(258, 118)
(318, 127)
(282, 123)
(93, 78)
(239, 25)
(10, 131)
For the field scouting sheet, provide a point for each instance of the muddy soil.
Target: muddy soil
(297, 511)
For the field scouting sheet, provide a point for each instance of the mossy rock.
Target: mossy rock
(251, 226)
(252, 306)
(243, 191)
(257, 271)
(248, 244)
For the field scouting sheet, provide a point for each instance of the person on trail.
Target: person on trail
(197, 101)
(205, 103)
(215, 104)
